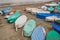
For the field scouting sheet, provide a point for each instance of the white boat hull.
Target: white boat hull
(44, 7)
(51, 4)
(52, 18)
(28, 9)
(20, 22)
(39, 11)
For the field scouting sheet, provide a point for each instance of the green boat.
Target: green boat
(58, 7)
(51, 8)
(53, 35)
(29, 27)
(12, 18)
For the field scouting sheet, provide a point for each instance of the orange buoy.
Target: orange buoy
(14, 10)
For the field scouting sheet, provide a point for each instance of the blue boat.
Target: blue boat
(56, 26)
(6, 11)
(44, 15)
(38, 34)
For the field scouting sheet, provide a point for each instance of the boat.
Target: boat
(51, 8)
(56, 25)
(6, 16)
(53, 35)
(57, 21)
(51, 4)
(29, 27)
(52, 18)
(44, 7)
(58, 8)
(44, 15)
(28, 9)
(39, 11)
(12, 18)
(20, 22)
(54, 2)
(38, 33)
(34, 11)
(6, 11)
(11, 13)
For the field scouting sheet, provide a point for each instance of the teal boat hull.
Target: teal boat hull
(29, 27)
(12, 18)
